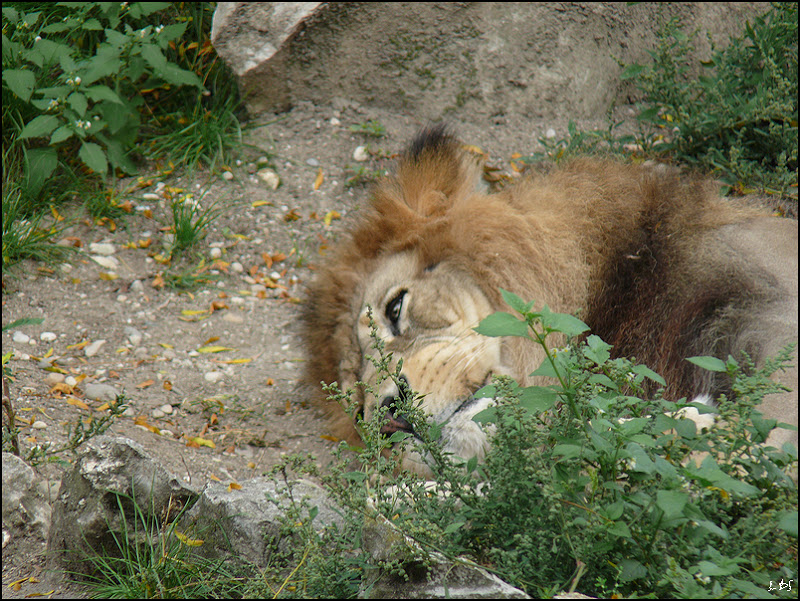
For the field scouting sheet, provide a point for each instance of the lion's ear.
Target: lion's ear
(436, 172)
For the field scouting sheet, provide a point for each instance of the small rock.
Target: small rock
(166, 409)
(93, 348)
(66, 267)
(102, 248)
(39, 425)
(312, 162)
(269, 177)
(335, 122)
(216, 253)
(137, 286)
(70, 381)
(360, 154)
(237, 267)
(550, 133)
(21, 338)
(134, 335)
(156, 414)
(227, 175)
(151, 196)
(232, 317)
(100, 392)
(213, 376)
(107, 262)
(47, 336)
(53, 378)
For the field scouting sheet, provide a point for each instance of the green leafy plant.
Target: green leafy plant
(738, 115)
(587, 485)
(372, 128)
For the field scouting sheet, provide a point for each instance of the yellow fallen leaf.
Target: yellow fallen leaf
(193, 312)
(108, 276)
(330, 216)
(190, 542)
(210, 340)
(48, 353)
(214, 349)
(260, 203)
(319, 179)
(234, 486)
(197, 441)
(142, 421)
(77, 403)
(236, 361)
(330, 438)
(78, 346)
(166, 345)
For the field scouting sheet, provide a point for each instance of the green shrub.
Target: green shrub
(739, 115)
(587, 486)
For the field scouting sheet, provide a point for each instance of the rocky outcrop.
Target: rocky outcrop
(434, 59)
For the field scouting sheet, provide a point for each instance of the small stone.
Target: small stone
(53, 378)
(39, 425)
(70, 381)
(134, 335)
(335, 122)
(150, 196)
(213, 376)
(232, 317)
(227, 175)
(312, 162)
(360, 154)
(550, 133)
(100, 392)
(166, 409)
(157, 413)
(47, 336)
(93, 348)
(269, 177)
(107, 262)
(137, 286)
(216, 253)
(237, 267)
(66, 267)
(102, 248)
(21, 338)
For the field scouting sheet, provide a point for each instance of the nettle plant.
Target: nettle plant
(589, 486)
(73, 83)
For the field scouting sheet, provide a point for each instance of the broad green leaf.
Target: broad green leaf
(502, 324)
(61, 134)
(43, 125)
(515, 302)
(630, 569)
(709, 363)
(537, 398)
(645, 371)
(94, 157)
(562, 322)
(546, 370)
(788, 522)
(97, 93)
(20, 81)
(40, 163)
(671, 502)
(78, 102)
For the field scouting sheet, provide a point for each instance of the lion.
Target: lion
(656, 262)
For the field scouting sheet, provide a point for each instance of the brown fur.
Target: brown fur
(648, 257)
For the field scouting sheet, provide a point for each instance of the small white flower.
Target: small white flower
(52, 105)
(77, 81)
(159, 28)
(70, 82)
(38, 38)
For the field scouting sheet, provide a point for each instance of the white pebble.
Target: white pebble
(107, 262)
(102, 248)
(21, 338)
(70, 381)
(47, 336)
(93, 348)
(237, 267)
(269, 177)
(335, 122)
(166, 409)
(134, 335)
(213, 376)
(39, 425)
(227, 175)
(360, 154)
(550, 133)
(216, 253)
(53, 378)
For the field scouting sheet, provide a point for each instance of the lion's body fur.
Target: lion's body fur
(654, 261)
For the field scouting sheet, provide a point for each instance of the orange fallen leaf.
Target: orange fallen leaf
(270, 382)
(291, 216)
(167, 385)
(77, 403)
(142, 421)
(146, 383)
(234, 486)
(319, 179)
(330, 216)
(330, 438)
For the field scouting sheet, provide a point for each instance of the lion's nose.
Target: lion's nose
(396, 421)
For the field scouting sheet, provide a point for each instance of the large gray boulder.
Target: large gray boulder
(434, 59)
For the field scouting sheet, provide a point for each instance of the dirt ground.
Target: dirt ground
(226, 413)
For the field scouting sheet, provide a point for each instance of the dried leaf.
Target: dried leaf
(108, 277)
(270, 382)
(234, 486)
(214, 349)
(142, 421)
(210, 340)
(236, 361)
(146, 383)
(330, 216)
(189, 542)
(329, 438)
(61, 388)
(77, 403)
(167, 385)
(319, 179)
(291, 216)
(193, 312)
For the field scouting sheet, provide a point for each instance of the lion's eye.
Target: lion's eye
(393, 309)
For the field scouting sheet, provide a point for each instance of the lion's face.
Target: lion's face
(426, 315)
